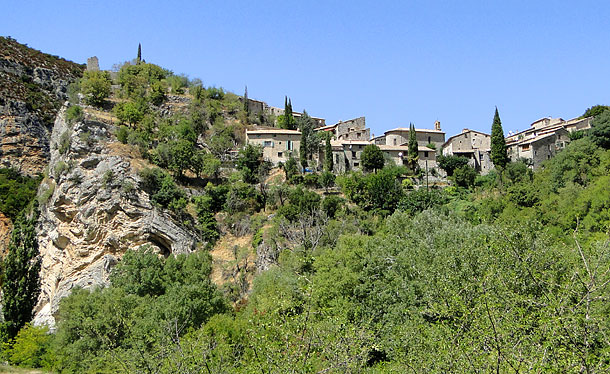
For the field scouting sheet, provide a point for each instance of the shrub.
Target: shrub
(332, 204)
(464, 176)
(96, 87)
(30, 347)
(74, 114)
(122, 134)
(65, 140)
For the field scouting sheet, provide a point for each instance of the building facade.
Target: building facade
(474, 145)
(543, 139)
(278, 144)
(425, 137)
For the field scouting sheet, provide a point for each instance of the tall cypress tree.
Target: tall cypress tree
(139, 58)
(328, 154)
(499, 156)
(305, 124)
(21, 285)
(246, 106)
(288, 122)
(413, 151)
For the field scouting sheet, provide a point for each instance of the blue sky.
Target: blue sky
(394, 62)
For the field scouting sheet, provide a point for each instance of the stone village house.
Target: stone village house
(474, 145)
(277, 144)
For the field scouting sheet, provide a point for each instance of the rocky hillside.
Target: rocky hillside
(33, 85)
(93, 210)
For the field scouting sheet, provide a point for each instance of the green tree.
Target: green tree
(464, 176)
(139, 57)
(286, 120)
(413, 151)
(600, 130)
(308, 138)
(129, 113)
(249, 163)
(328, 154)
(499, 157)
(291, 169)
(95, 86)
(326, 180)
(21, 285)
(372, 158)
(450, 163)
(246, 106)
(595, 111)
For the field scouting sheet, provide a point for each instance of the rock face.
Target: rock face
(92, 211)
(32, 87)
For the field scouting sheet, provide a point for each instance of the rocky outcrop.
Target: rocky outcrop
(32, 87)
(92, 211)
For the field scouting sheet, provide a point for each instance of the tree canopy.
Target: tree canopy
(372, 158)
(499, 155)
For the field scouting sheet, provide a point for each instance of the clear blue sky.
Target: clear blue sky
(394, 62)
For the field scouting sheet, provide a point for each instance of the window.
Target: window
(426, 154)
(356, 164)
(337, 159)
(394, 141)
(267, 143)
(353, 155)
(289, 145)
(429, 140)
(279, 154)
(274, 135)
(525, 147)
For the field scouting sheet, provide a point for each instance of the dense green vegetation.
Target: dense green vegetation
(508, 272)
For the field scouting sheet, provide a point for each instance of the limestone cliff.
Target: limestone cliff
(92, 211)
(32, 87)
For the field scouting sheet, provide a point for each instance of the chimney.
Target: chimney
(437, 126)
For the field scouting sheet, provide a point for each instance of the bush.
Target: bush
(332, 204)
(464, 176)
(420, 200)
(74, 114)
(30, 347)
(122, 134)
(65, 140)
(96, 87)
(16, 192)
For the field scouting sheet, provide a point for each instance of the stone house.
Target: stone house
(425, 137)
(398, 155)
(347, 155)
(543, 139)
(539, 148)
(278, 144)
(353, 129)
(474, 145)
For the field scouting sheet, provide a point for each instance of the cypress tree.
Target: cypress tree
(413, 151)
(139, 58)
(306, 127)
(498, 144)
(246, 106)
(21, 285)
(328, 154)
(288, 121)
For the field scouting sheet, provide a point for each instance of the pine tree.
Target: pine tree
(413, 151)
(498, 144)
(139, 58)
(328, 154)
(21, 285)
